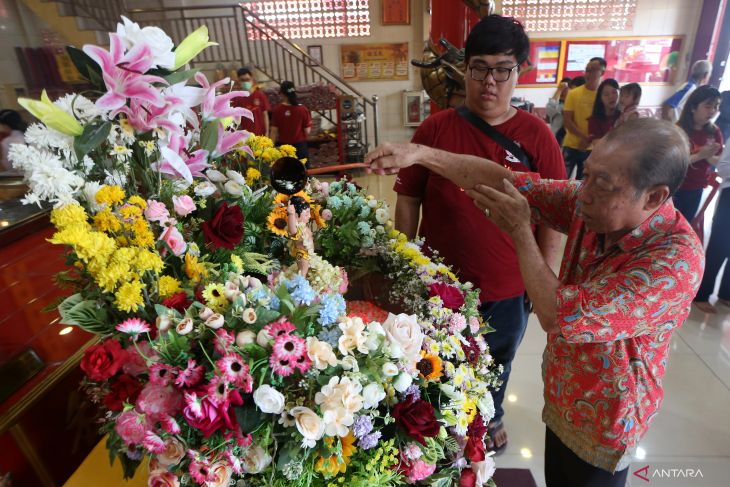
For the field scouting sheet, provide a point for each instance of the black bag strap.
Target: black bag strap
(494, 134)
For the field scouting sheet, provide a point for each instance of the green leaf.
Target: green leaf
(86, 66)
(249, 417)
(93, 136)
(209, 135)
(84, 314)
(264, 316)
(180, 76)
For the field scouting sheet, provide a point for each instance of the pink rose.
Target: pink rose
(183, 204)
(173, 453)
(203, 414)
(135, 363)
(163, 478)
(326, 214)
(220, 475)
(159, 401)
(174, 239)
(156, 212)
(131, 427)
(416, 470)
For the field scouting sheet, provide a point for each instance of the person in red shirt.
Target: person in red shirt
(451, 224)
(705, 147)
(628, 102)
(605, 110)
(291, 122)
(630, 269)
(256, 101)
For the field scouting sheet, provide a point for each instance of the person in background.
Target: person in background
(450, 223)
(554, 107)
(699, 75)
(605, 110)
(705, 147)
(13, 128)
(578, 108)
(256, 101)
(628, 102)
(723, 120)
(291, 122)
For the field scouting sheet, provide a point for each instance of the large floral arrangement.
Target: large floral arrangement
(217, 359)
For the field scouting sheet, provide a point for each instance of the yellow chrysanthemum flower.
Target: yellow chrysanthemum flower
(194, 269)
(288, 150)
(110, 195)
(169, 286)
(129, 296)
(252, 175)
(70, 214)
(237, 262)
(130, 211)
(148, 261)
(143, 236)
(270, 155)
(106, 221)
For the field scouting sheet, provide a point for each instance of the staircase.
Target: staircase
(274, 56)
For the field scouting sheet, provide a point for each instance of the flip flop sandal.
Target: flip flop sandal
(492, 430)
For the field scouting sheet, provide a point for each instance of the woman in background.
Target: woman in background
(291, 122)
(13, 128)
(705, 147)
(605, 110)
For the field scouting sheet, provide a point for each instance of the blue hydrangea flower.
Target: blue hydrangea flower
(334, 202)
(351, 187)
(301, 291)
(346, 201)
(363, 228)
(336, 186)
(368, 242)
(364, 211)
(275, 303)
(330, 335)
(333, 306)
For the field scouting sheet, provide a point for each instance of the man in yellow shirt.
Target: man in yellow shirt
(578, 107)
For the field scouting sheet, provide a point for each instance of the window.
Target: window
(572, 15)
(307, 19)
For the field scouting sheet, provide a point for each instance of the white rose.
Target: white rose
(269, 400)
(205, 313)
(308, 423)
(320, 353)
(215, 321)
(263, 338)
(249, 316)
(375, 331)
(205, 189)
(372, 394)
(350, 363)
(215, 176)
(403, 382)
(231, 291)
(185, 326)
(404, 335)
(255, 460)
(484, 470)
(245, 337)
(352, 336)
(233, 188)
(390, 369)
(154, 37)
(381, 215)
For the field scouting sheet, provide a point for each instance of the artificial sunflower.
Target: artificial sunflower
(331, 466)
(317, 216)
(278, 221)
(430, 366)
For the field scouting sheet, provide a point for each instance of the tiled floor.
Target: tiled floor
(693, 427)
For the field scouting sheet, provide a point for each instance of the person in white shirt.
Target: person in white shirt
(554, 107)
(12, 127)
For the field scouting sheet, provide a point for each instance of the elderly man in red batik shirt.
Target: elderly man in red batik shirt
(630, 270)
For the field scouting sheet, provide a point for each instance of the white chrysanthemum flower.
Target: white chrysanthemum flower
(44, 138)
(80, 107)
(115, 177)
(45, 175)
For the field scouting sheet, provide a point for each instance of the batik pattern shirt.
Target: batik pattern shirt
(617, 310)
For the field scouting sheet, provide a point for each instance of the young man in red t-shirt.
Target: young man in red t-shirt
(256, 101)
(452, 224)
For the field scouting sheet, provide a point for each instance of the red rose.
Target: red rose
(226, 227)
(468, 478)
(417, 418)
(450, 295)
(104, 360)
(475, 450)
(125, 389)
(178, 301)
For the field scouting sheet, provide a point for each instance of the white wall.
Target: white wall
(653, 18)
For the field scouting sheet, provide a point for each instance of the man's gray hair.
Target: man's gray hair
(700, 70)
(661, 152)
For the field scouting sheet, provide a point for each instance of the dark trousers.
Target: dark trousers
(575, 158)
(718, 250)
(509, 318)
(302, 149)
(563, 468)
(687, 202)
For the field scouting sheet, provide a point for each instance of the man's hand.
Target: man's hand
(389, 157)
(509, 210)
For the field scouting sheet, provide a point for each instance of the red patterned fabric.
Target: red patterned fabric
(617, 310)
(366, 310)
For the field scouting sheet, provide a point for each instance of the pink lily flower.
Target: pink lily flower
(173, 164)
(124, 76)
(145, 117)
(220, 106)
(227, 141)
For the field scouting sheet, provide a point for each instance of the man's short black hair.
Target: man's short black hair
(495, 34)
(600, 60)
(577, 81)
(244, 71)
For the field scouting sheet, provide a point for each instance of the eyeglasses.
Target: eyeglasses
(500, 74)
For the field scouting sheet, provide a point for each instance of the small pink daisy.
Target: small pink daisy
(303, 363)
(169, 424)
(192, 374)
(279, 328)
(199, 471)
(235, 462)
(282, 367)
(162, 374)
(234, 370)
(133, 326)
(153, 443)
(223, 341)
(289, 347)
(193, 405)
(217, 390)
